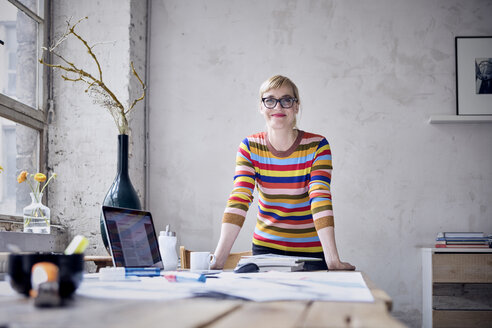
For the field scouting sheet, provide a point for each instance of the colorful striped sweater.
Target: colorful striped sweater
(293, 188)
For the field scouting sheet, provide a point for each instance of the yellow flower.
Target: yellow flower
(40, 177)
(1, 168)
(22, 177)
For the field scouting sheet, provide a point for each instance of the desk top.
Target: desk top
(199, 312)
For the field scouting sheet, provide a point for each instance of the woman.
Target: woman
(292, 170)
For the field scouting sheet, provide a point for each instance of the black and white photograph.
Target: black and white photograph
(473, 75)
(484, 75)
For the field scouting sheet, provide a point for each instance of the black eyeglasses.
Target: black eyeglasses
(286, 102)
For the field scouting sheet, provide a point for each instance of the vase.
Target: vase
(36, 215)
(121, 193)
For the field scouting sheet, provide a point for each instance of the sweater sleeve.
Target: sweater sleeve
(244, 183)
(319, 187)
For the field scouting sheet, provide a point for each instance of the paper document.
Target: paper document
(274, 259)
(277, 286)
(258, 287)
(143, 288)
(268, 262)
(6, 290)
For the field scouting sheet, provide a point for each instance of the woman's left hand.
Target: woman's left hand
(339, 265)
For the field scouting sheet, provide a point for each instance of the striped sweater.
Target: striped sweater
(293, 188)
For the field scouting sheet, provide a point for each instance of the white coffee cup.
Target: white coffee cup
(201, 260)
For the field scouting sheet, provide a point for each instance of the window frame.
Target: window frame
(18, 112)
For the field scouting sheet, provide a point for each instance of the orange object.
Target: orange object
(22, 177)
(42, 272)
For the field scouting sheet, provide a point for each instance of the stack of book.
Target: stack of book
(274, 262)
(462, 240)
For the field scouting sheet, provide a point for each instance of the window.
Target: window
(22, 118)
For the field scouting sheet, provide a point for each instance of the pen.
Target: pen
(176, 276)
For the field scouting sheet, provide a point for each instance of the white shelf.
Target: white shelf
(442, 119)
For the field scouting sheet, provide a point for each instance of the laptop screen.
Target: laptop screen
(132, 237)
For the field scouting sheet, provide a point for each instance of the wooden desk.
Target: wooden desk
(199, 312)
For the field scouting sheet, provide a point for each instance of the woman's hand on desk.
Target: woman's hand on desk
(327, 238)
(339, 265)
(228, 234)
(216, 267)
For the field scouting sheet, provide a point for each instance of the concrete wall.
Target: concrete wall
(82, 144)
(370, 74)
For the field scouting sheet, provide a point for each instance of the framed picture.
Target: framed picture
(473, 75)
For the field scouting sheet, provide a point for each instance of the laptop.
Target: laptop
(132, 238)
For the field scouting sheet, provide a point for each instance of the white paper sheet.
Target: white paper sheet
(5, 289)
(157, 288)
(259, 287)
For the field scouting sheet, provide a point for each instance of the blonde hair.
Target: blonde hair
(276, 82)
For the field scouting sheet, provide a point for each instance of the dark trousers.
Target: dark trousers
(308, 266)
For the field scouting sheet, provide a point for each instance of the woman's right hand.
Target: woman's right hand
(228, 235)
(215, 266)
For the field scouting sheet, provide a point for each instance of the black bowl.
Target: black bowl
(71, 271)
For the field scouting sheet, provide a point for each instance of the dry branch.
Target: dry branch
(96, 88)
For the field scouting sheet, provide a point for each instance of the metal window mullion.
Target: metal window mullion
(21, 113)
(27, 11)
(45, 90)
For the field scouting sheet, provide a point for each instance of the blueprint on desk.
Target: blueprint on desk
(258, 287)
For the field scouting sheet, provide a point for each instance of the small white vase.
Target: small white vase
(36, 215)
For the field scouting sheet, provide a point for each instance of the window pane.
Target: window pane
(18, 152)
(18, 55)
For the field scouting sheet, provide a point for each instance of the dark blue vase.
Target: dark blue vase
(121, 193)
